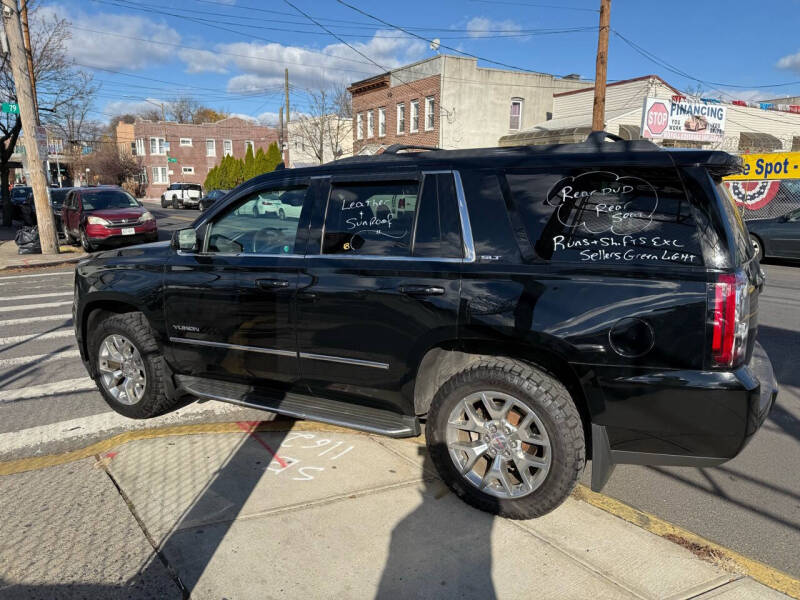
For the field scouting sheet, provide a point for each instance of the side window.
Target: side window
(438, 231)
(614, 216)
(247, 227)
(372, 218)
(491, 229)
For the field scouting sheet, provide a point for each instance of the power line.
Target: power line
(537, 5)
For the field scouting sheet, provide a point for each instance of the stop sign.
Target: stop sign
(657, 117)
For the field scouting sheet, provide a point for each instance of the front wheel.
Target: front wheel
(758, 247)
(86, 242)
(507, 438)
(163, 202)
(129, 367)
(175, 202)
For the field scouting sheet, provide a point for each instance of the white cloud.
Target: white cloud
(268, 118)
(243, 116)
(483, 27)
(790, 62)
(122, 107)
(262, 65)
(203, 61)
(105, 51)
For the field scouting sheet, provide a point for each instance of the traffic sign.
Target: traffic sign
(657, 118)
(170, 159)
(10, 107)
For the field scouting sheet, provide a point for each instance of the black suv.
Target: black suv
(535, 307)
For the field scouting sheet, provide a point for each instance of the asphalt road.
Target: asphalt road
(751, 504)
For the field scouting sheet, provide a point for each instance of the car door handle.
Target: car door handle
(272, 284)
(421, 290)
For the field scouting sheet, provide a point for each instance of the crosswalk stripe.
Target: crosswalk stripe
(37, 275)
(34, 296)
(33, 306)
(9, 322)
(16, 339)
(80, 384)
(38, 358)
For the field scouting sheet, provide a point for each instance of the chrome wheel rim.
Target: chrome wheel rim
(121, 369)
(756, 247)
(498, 444)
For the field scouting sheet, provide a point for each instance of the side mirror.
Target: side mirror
(185, 240)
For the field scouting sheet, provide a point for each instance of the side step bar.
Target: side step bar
(299, 406)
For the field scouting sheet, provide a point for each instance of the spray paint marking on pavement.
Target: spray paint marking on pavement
(249, 427)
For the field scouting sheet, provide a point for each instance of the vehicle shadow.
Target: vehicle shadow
(442, 549)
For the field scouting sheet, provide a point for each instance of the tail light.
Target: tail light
(729, 301)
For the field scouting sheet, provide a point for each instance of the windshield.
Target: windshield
(107, 199)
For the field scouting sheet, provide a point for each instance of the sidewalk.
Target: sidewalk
(10, 259)
(313, 512)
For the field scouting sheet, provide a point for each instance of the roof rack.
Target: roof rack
(600, 136)
(396, 148)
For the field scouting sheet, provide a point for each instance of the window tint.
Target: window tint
(373, 218)
(622, 216)
(438, 232)
(107, 199)
(246, 228)
(491, 228)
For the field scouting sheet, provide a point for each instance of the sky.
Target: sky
(231, 54)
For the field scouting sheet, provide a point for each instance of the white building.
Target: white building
(747, 128)
(318, 140)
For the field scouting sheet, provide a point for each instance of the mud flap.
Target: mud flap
(602, 463)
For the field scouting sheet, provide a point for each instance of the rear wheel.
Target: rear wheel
(758, 247)
(507, 438)
(282, 214)
(163, 202)
(129, 366)
(175, 202)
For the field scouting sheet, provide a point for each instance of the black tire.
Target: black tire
(163, 202)
(86, 243)
(70, 240)
(541, 393)
(255, 210)
(175, 204)
(758, 247)
(134, 327)
(281, 214)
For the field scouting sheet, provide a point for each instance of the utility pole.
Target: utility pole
(286, 112)
(26, 36)
(601, 68)
(280, 125)
(25, 99)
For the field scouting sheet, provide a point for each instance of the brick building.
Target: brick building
(450, 102)
(196, 149)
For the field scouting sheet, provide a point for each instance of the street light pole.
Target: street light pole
(25, 99)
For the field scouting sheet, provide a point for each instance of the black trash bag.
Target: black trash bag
(27, 240)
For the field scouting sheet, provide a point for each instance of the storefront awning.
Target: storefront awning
(542, 137)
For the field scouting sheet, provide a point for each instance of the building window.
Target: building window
(158, 146)
(186, 141)
(428, 113)
(187, 170)
(211, 148)
(227, 147)
(515, 120)
(360, 126)
(251, 145)
(381, 122)
(140, 147)
(401, 118)
(160, 175)
(370, 124)
(414, 128)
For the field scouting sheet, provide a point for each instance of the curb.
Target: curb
(58, 263)
(699, 546)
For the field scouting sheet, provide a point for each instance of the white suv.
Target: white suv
(181, 195)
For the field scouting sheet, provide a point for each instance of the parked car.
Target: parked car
(776, 238)
(182, 195)
(104, 216)
(534, 306)
(19, 196)
(57, 197)
(209, 199)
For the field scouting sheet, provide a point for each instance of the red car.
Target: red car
(105, 216)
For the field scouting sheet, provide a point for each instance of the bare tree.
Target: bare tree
(326, 126)
(183, 109)
(149, 114)
(60, 89)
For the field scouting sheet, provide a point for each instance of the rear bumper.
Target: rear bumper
(680, 418)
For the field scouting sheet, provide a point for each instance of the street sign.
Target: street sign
(170, 159)
(657, 117)
(10, 107)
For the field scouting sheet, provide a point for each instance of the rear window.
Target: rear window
(193, 186)
(616, 216)
(741, 238)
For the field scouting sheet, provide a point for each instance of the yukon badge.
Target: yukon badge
(191, 328)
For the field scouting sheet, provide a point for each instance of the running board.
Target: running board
(299, 406)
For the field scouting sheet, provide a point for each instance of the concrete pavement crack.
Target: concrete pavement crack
(150, 539)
